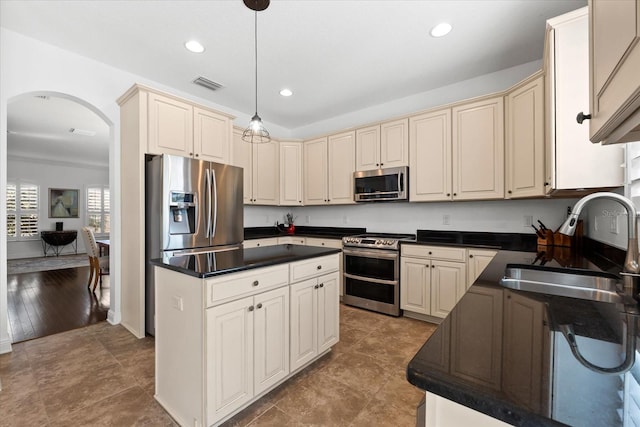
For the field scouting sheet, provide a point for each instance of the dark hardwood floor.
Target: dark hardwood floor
(48, 302)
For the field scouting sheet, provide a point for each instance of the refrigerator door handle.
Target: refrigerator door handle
(208, 198)
(215, 201)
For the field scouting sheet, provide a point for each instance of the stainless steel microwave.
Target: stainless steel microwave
(381, 185)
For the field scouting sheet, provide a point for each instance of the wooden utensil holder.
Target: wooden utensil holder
(554, 238)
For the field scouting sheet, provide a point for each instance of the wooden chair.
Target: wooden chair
(98, 265)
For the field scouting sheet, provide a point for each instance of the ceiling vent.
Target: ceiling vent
(209, 84)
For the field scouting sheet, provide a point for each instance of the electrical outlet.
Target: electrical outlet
(446, 219)
(528, 220)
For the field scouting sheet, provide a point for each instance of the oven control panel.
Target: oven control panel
(370, 242)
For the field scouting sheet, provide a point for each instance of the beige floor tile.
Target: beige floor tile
(274, 417)
(379, 413)
(131, 407)
(358, 371)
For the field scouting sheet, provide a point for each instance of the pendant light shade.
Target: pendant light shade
(256, 132)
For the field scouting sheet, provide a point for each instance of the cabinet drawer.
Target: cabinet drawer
(256, 243)
(327, 243)
(313, 267)
(291, 240)
(435, 252)
(229, 287)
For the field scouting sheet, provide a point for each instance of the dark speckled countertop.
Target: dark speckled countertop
(302, 231)
(502, 352)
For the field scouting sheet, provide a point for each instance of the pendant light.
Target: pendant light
(256, 132)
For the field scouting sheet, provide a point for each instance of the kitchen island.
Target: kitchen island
(503, 353)
(232, 325)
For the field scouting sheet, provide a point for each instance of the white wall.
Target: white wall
(52, 175)
(478, 86)
(506, 216)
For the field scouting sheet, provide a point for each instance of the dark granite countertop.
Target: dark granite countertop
(302, 231)
(502, 352)
(210, 264)
(474, 239)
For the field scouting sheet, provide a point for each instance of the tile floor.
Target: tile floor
(103, 375)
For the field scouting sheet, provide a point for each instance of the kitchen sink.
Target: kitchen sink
(582, 284)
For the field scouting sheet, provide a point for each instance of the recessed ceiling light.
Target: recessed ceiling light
(286, 92)
(194, 46)
(440, 30)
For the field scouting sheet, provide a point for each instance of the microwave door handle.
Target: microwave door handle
(400, 181)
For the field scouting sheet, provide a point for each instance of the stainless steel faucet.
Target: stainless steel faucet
(631, 261)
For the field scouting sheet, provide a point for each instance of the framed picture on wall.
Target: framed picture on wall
(63, 203)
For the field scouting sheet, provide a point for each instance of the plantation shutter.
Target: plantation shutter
(11, 210)
(28, 210)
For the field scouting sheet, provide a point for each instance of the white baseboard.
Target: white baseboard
(114, 317)
(5, 346)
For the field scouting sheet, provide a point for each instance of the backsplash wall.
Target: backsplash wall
(499, 216)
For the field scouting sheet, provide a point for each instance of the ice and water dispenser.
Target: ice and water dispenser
(182, 213)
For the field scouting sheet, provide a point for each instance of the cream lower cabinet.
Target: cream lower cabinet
(478, 261)
(223, 342)
(315, 306)
(432, 279)
(248, 350)
(257, 243)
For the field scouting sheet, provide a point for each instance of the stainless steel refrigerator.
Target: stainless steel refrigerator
(191, 205)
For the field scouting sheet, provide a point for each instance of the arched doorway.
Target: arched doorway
(58, 135)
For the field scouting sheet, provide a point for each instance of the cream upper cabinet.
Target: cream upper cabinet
(328, 169)
(382, 146)
(478, 150)
(430, 156)
(211, 136)
(261, 169)
(183, 129)
(341, 165)
(170, 126)
(315, 172)
(368, 148)
(572, 162)
(524, 140)
(291, 173)
(614, 34)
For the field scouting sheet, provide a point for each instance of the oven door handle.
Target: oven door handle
(371, 254)
(370, 279)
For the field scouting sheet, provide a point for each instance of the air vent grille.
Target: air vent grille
(209, 84)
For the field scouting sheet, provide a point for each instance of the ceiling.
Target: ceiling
(336, 56)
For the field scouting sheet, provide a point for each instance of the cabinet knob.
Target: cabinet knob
(257, 244)
(319, 267)
(316, 287)
(256, 283)
(455, 194)
(377, 164)
(509, 191)
(433, 266)
(546, 183)
(250, 308)
(197, 155)
(322, 285)
(448, 194)
(470, 256)
(430, 252)
(381, 164)
(581, 117)
(191, 154)
(259, 305)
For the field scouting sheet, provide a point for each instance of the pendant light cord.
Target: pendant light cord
(255, 34)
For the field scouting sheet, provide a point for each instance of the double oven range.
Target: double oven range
(372, 271)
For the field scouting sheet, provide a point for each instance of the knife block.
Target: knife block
(553, 238)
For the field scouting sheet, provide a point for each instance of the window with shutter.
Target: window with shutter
(22, 210)
(98, 205)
